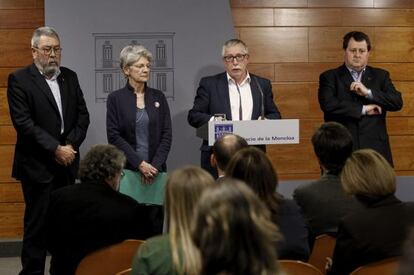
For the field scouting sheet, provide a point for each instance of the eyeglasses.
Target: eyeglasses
(48, 50)
(238, 57)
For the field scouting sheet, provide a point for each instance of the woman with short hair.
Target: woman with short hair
(138, 122)
(377, 230)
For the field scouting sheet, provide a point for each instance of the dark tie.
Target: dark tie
(240, 104)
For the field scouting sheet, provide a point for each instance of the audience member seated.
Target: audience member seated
(234, 232)
(253, 167)
(406, 266)
(223, 149)
(174, 253)
(323, 202)
(87, 216)
(378, 229)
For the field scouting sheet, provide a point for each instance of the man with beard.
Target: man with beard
(49, 114)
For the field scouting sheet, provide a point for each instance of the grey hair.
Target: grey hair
(234, 42)
(43, 31)
(132, 53)
(101, 162)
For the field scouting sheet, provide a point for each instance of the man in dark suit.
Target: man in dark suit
(324, 202)
(49, 114)
(235, 93)
(359, 96)
(87, 216)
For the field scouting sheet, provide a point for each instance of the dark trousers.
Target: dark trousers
(36, 197)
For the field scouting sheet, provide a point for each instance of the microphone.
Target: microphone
(262, 112)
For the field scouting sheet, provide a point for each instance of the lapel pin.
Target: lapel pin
(157, 104)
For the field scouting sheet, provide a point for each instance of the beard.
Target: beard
(49, 69)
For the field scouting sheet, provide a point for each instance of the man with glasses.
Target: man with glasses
(359, 96)
(49, 114)
(235, 94)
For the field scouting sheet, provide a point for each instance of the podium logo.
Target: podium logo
(222, 129)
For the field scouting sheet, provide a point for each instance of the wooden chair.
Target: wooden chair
(384, 267)
(292, 267)
(109, 260)
(322, 248)
(125, 272)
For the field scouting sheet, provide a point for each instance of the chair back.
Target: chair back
(322, 248)
(384, 267)
(109, 260)
(291, 267)
(125, 272)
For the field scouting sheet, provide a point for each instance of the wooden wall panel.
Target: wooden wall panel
(341, 3)
(393, 3)
(19, 4)
(307, 17)
(294, 72)
(297, 100)
(398, 71)
(388, 40)
(402, 150)
(4, 108)
(11, 220)
(21, 18)
(255, 17)
(6, 162)
(407, 90)
(15, 47)
(400, 126)
(287, 161)
(268, 3)
(264, 70)
(7, 135)
(270, 45)
(4, 74)
(378, 17)
(11, 192)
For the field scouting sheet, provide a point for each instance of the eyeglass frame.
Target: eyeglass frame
(48, 51)
(238, 57)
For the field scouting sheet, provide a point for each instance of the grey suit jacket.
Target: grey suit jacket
(323, 204)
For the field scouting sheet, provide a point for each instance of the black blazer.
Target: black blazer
(341, 105)
(120, 125)
(372, 233)
(85, 217)
(37, 121)
(213, 98)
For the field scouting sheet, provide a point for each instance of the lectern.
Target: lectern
(255, 132)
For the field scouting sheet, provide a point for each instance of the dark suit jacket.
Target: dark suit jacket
(324, 203)
(120, 125)
(213, 98)
(294, 245)
(88, 216)
(373, 233)
(36, 118)
(340, 104)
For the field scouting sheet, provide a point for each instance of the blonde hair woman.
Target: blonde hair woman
(376, 230)
(234, 231)
(174, 253)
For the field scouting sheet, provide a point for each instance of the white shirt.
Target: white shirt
(246, 98)
(54, 87)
